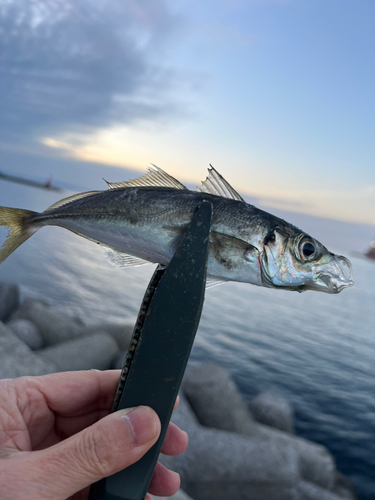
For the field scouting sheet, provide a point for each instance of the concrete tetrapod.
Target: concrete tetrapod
(218, 404)
(221, 465)
(121, 332)
(27, 332)
(180, 495)
(215, 399)
(83, 353)
(17, 359)
(9, 299)
(308, 491)
(271, 409)
(52, 325)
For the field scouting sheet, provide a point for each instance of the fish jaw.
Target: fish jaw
(333, 275)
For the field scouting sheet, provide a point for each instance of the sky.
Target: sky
(277, 94)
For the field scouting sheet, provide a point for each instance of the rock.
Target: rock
(215, 399)
(28, 302)
(271, 409)
(84, 353)
(180, 495)
(53, 326)
(316, 464)
(121, 332)
(308, 491)
(217, 403)
(27, 332)
(244, 491)
(222, 465)
(17, 359)
(9, 300)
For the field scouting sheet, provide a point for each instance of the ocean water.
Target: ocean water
(317, 350)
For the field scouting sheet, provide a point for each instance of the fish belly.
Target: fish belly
(149, 242)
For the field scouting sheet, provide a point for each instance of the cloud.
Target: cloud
(67, 64)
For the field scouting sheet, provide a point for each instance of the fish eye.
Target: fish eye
(307, 249)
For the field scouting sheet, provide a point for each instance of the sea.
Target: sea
(316, 350)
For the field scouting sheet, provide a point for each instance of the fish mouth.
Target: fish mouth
(330, 276)
(333, 276)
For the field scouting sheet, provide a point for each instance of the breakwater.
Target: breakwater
(237, 449)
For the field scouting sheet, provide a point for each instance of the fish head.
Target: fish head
(294, 260)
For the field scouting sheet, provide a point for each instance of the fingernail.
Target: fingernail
(143, 423)
(175, 474)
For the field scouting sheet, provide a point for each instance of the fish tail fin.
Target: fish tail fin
(15, 220)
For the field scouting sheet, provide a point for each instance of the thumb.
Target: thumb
(111, 444)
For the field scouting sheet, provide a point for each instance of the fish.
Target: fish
(143, 220)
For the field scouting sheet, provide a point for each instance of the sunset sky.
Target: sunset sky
(277, 94)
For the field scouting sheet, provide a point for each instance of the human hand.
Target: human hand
(57, 438)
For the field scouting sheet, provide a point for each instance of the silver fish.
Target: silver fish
(143, 220)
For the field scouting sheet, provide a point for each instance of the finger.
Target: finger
(176, 403)
(164, 482)
(66, 427)
(78, 393)
(113, 443)
(175, 441)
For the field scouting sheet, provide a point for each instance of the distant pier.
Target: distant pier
(28, 182)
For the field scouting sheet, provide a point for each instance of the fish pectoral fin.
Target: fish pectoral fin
(216, 184)
(211, 282)
(122, 260)
(226, 242)
(231, 252)
(154, 176)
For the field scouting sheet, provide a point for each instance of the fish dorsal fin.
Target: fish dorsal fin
(216, 184)
(119, 259)
(154, 176)
(69, 199)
